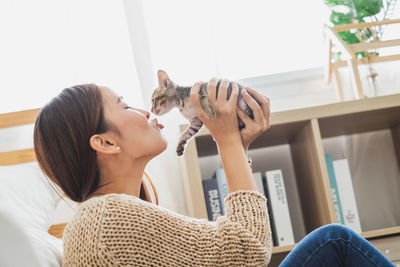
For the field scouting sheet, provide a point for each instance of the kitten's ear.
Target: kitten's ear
(163, 79)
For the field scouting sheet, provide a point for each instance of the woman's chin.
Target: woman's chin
(164, 145)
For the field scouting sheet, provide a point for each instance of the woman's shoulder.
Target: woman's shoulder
(96, 206)
(91, 211)
(88, 220)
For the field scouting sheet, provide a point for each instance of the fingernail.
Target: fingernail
(244, 92)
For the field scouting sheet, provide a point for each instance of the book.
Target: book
(260, 185)
(334, 189)
(222, 187)
(270, 213)
(211, 195)
(280, 207)
(346, 194)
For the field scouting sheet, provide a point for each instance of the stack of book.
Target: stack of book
(271, 185)
(343, 196)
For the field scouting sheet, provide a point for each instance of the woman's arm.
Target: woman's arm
(225, 131)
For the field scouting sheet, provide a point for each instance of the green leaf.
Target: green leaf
(338, 18)
(367, 8)
(348, 37)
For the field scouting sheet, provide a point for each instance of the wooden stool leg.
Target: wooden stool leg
(338, 84)
(356, 81)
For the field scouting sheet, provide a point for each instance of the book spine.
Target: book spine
(280, 207)
(222, 187)
(347, 197)
(259, 182)
(335, 192)
(211, 195)
(270, 212)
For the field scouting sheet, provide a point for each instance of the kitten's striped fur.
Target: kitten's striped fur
(169, 95)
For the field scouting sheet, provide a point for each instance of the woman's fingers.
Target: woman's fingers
(243, 116)
(222, 91)
(212, 91)
(254, 106)
(195, 98)
(262, 99)
(234, 94)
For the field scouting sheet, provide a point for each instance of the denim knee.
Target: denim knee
(335, 231)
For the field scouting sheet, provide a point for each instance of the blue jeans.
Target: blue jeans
(334, 245)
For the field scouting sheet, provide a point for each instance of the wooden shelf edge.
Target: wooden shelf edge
(336, 109)
(329, 110)
(381, 232)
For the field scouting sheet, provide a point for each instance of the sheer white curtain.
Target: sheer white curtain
(47, 45)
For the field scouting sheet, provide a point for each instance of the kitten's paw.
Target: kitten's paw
(180, 148)
(179, 151)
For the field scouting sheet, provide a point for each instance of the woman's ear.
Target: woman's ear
(103, 144)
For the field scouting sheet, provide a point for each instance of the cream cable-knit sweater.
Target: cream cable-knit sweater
(123, 230)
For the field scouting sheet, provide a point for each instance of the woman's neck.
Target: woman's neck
(121, 177)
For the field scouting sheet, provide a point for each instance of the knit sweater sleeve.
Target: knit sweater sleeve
(135, 232)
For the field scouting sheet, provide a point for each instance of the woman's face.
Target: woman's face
(139, 136)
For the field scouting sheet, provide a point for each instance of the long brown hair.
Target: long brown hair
(61, 140)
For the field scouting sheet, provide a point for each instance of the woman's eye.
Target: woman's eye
(127, 107)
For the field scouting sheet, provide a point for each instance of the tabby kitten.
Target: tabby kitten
(169, 95)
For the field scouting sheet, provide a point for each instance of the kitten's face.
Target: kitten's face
(160, 103)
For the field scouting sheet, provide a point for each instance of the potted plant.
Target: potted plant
(345, 12)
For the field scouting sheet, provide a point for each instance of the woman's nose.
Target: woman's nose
(146, 113)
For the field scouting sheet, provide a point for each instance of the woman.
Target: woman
(95, 147)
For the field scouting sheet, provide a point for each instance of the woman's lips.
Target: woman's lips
(155, 123)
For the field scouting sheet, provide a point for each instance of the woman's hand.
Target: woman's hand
(262, 120)
(224, 127)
